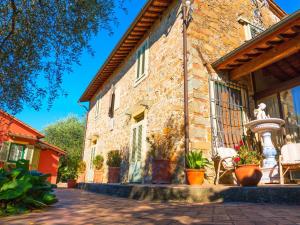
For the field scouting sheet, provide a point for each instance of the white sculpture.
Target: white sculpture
(264, 125)
(260, 113)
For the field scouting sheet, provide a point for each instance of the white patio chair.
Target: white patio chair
(289, 159)
(225, 164)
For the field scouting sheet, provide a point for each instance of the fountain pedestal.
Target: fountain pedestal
(264, 127)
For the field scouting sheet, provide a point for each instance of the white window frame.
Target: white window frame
(92, 156)
(97, 107)
(247, 28)
(144, 143)
(140, 77)
(117, 97)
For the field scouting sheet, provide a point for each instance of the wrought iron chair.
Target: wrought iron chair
(289, 159)
(225, 164)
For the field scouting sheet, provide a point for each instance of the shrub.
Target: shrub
(195, 160)
(163, 144)
(22, 190)
(98, 162)
(81, 167)
(114, 158)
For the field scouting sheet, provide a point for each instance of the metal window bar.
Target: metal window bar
(230, 110)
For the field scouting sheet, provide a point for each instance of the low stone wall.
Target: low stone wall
(204, 194)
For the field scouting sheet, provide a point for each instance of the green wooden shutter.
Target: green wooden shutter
(133, 144)
(29, 153)
(139, 143)
(4, 151)
(138, 64)
(143, 59)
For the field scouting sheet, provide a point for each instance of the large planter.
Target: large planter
(98, 176)
(248, 175)
(161, 171)
(72, 183)
(81, 177)
(195, 176)
(113, 174)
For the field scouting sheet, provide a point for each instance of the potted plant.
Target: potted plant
(71, 176)
(114, 160)
(196, 164)
(81, 172)
(247, 161)
(98, 165)
(162, 151)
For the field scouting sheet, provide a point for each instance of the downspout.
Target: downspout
(185, 75)
(86, 119)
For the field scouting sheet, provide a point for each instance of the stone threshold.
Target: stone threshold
(279, 194)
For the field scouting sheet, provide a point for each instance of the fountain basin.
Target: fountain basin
(265, 125)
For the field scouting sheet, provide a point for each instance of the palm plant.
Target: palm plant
(195, 160)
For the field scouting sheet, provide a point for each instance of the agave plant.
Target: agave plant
(195, 160)
(22, 190)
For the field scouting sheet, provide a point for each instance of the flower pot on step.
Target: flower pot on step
(98, 176)
(81, 178)
(195, 176)
(72, 183)
(113, 174)
(161, 171)
(248, 175)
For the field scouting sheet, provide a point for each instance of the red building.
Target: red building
(20, 141)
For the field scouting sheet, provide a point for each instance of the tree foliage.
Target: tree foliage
(41, 40)
(68, 134)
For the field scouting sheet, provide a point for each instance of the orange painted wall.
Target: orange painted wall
(49, 164)
(7, 124)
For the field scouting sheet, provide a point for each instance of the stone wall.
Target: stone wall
(161, 91)
(214, 32)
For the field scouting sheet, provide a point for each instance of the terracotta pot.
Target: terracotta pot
(195, 176)
(81, 178)
(161, 171)
(98, 176)
(72, 183)
(248, 175)
(113, 174)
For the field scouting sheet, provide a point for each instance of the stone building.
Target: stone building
(141, 85)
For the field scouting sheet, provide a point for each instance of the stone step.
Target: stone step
(289, 194)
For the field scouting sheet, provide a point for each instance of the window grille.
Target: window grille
(229, 112)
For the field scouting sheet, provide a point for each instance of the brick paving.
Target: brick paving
(80, 207)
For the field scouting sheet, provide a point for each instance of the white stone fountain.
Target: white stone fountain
(264, 125)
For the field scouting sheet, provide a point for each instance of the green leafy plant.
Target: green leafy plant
(81, 167)
(69, 173)
(195, 160)
(114, 158)
(22, 190)
(245, 155)
(98, 162)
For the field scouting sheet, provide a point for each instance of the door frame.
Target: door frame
(143, 150)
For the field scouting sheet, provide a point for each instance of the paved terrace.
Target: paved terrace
(80, 207)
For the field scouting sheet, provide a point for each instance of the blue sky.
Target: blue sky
(74, 84)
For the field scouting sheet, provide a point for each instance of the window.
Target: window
(251, 30)
(93, 150)
(117, 98)
(142, 62)
(229, 105)
(16, 152)
(97, 107)
(254, 30)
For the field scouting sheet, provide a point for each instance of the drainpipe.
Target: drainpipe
(86, 123)
(185, 8)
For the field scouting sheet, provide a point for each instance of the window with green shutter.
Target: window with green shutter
(4, 151)
(141, 60)
(16, 152)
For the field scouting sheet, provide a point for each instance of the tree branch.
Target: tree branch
(13, 22)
